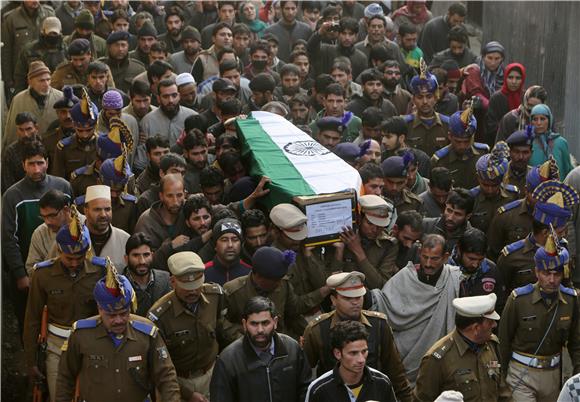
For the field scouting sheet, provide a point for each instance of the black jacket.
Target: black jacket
(240, 375)
(330, 387)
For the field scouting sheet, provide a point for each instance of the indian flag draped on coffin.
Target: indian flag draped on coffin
(296, 163)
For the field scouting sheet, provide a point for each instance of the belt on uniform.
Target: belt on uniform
(540, 362)
(58, 331)
(196, 372)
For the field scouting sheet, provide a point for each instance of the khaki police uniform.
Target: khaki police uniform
(70, 155)
(408, 201)
(68, 298)
(532, 333)
(461, 167)
(512, 222)
(65, 74)
(129, 372)
(124, 71)
(516, 262)
(517, 180)
(484, 208)
(428, 139)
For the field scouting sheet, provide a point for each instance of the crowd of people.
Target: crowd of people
(140, 258)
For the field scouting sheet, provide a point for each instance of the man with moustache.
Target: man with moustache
(195, 152)
(256, 232)
(149, 284)
(183, 60)
(455, 218)
(85, 29)
(408, 231)
(226, 265)
(393, 91)
(62, 127)
(146, 37)
(107, 240)
(372, 95)
(347, 298)
(174, 22)
(520, 144)
(123, 68)
(395, 172)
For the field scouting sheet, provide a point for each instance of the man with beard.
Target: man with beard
(196, 232)
(38, 99)
(272, 362)
(455, 219)
(49, 48)
(64, 286)
(395, 172)
(480, 276)
(289, 83)
(407, 39)
(85, 29)
(428, 130)
(55, 211)
(195, 153)
(192, 320)
(174, 24)
(288, 29)
(399, 97)
(256, 232)
(62, 127)
(520, 144)
(299, 110)
(462, 153)
(165, 216)
(307, 273)
(369, 248)
(372, 179)
(434, 34)
(408, 230)
(448, 102)
(372, 87)
(491, 193)
(222, 89)
(140, 103)
(146, 37)
(169, 118)
(457, 51)
(262, 87)
(170, 163)
(20, 216)
(20, 27)
(97, 77)
(107, 240)
(26, 131)
(75, 71)
(156, 148)
(351, 377)
(187, 91)
(183, 60)
(211, 181)
(377, 30)
(324, 54)
(79, 149)
(226, 264)
(347, 298)
(434, 198)
(123, 68)
(149, 284)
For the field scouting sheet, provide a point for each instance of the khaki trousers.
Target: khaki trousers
(530, 384)
(53, 351)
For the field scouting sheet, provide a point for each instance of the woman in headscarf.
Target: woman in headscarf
(249, 16)
(414, 13)
(547, 143)
(473, 90)
(491, 66)
(518, 119)
(509, 97)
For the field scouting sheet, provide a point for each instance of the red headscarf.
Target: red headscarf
(514, 97)
(420, 18)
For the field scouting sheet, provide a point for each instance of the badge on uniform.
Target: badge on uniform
(135, 358)
(488, 284)
(493, 364)
(162, 351)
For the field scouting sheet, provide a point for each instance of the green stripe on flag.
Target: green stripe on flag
(269, 160)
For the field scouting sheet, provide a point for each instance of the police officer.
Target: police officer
(520, 143)
(80, 148)
(461, 155)
(369, 248)
(467, 359)
(513, 221)
(65, 285)
(61, 128)
(192, 321)
(538, 320)
(491, 192)
(116, 355)
(307, 273)
(395, 171)
(554, 204)
(268, 279)
(427, 129)
(347, 298)
(123, 68)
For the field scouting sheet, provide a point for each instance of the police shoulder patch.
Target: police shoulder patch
(481, 147)
(65, 142)
(144, 327)
(128, 197)
(374, 314)
(85, 324)
(100, 261)
(568, 291)
(510, 188)
(509, 206)
(524, 290)
(474, 192)
(443, 152)
(444, 118)
(213, 288)
(44, 264)
(440, 351)
(80, 171)
(409, 118)
(515, 246)
(80, 200)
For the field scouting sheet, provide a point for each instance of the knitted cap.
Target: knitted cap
(37, 68)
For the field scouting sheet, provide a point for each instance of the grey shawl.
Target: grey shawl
(419, 314)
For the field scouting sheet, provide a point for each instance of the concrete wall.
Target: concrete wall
(545, 38)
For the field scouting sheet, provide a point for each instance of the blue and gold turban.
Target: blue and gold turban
(85, 113)
(111, 145)
(114, 292)
(554, 203)
(116, 171)
(538, 174)
(493, 166)
(73, 238)
(463, 124)
(553, 256)
(425, 81)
